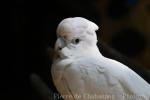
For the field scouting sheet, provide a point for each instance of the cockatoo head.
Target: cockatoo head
(75, 34)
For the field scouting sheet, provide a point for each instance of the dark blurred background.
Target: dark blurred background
(124, 26)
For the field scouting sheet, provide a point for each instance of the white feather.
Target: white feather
(87, 75)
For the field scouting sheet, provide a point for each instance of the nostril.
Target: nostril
(59, 48)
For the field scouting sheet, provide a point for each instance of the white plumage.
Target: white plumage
(80, 72)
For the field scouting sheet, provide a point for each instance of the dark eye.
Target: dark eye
(76, 41)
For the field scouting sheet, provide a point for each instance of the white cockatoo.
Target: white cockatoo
(81, 72)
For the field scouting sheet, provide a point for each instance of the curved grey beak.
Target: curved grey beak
(60, 44)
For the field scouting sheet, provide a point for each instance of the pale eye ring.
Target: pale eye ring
(76, 41)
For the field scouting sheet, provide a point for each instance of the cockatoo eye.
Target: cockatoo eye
(76, 41)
